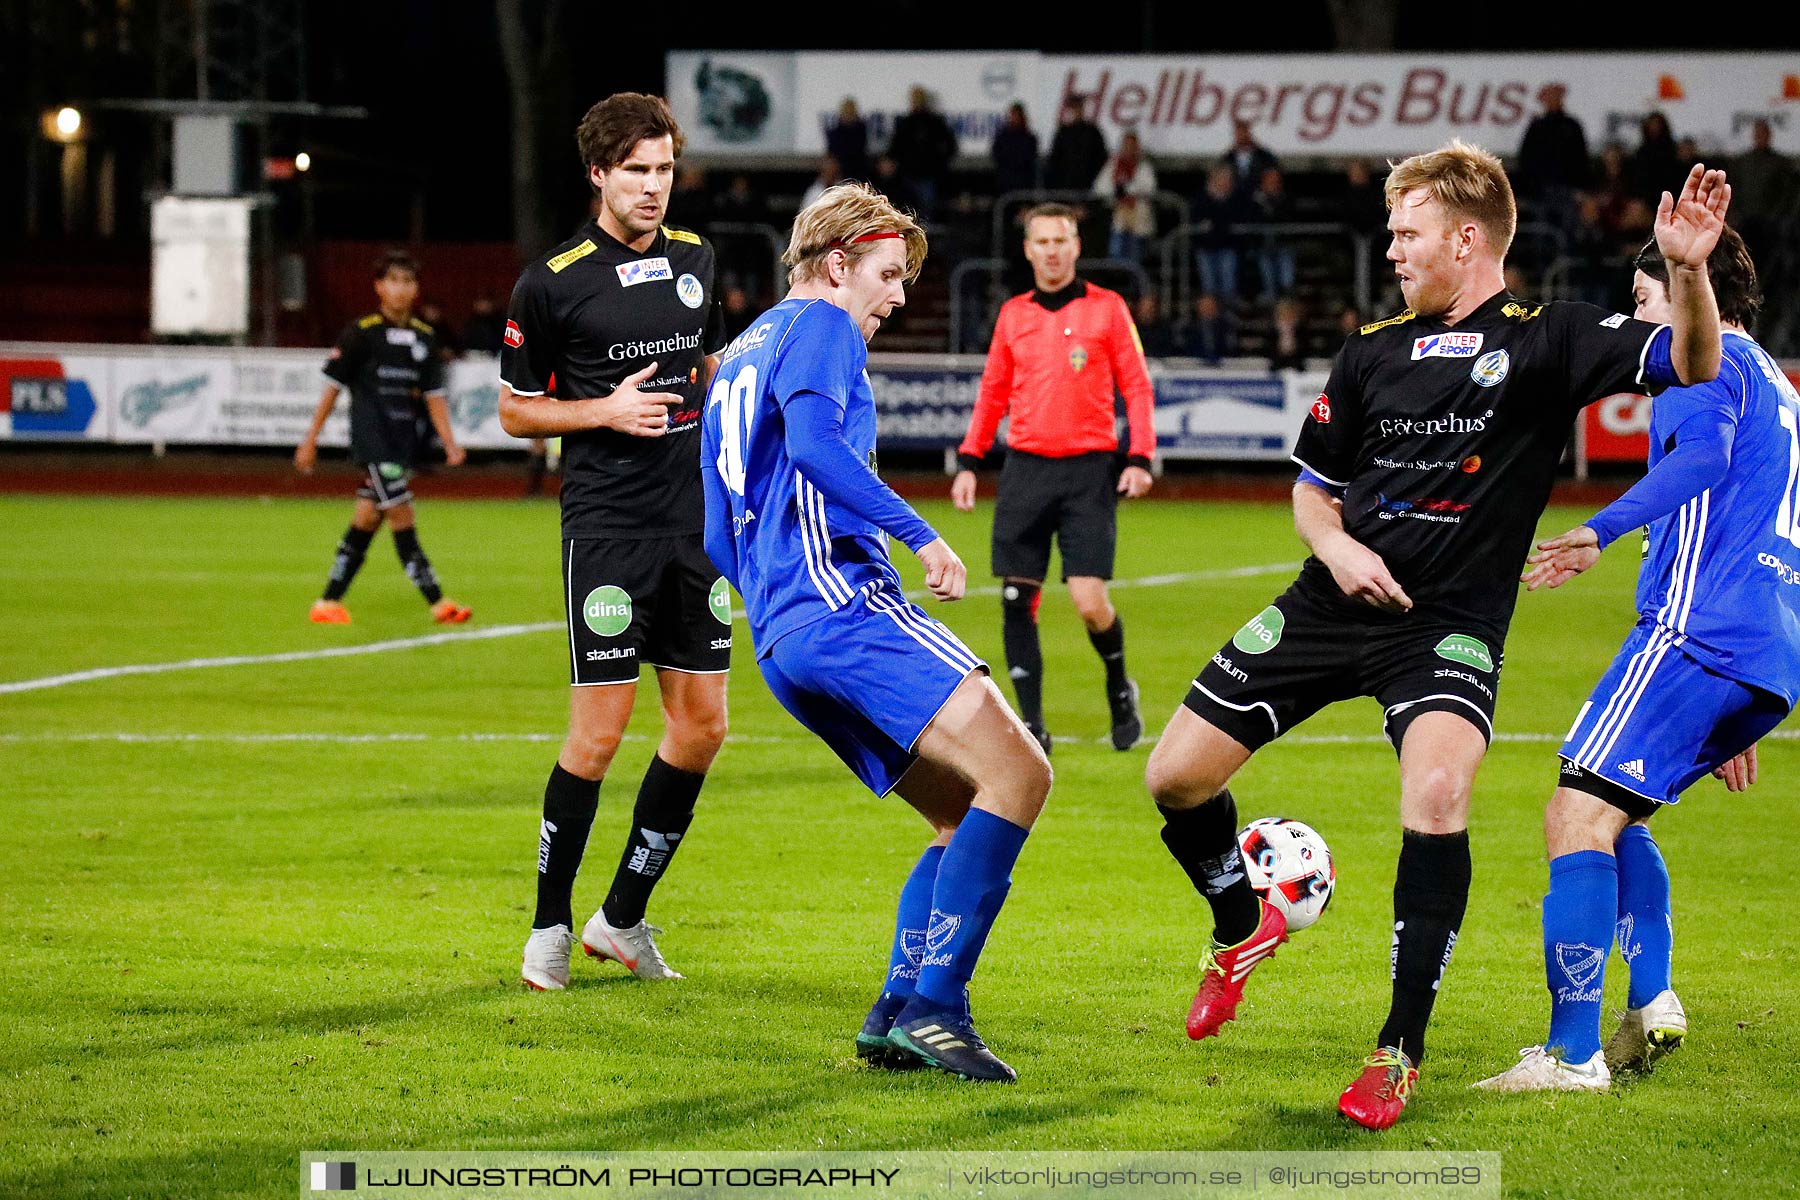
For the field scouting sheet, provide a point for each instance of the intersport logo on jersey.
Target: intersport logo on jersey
(1426, 427)
(1447, 345)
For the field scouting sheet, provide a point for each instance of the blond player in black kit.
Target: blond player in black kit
(610, 343)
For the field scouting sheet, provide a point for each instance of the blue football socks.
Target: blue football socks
(1646, 928)
(910, 925)
(1578, 930)
(972, 882)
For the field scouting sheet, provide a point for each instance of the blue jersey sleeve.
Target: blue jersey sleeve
(1704, 419)
(1308, 475)
(816, 443)
(720, 547)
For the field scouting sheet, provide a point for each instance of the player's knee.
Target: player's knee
(589, 754)
(1096, 611)
(1438, 801)
(702, 728)
(1178, 783)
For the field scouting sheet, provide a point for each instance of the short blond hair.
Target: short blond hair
(840, 216)
(1469, 182)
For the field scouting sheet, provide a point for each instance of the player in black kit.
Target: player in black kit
(610, 344)
(389, 360)
(1424, 467)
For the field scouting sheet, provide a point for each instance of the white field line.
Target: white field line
(352, 739)
(500, 631)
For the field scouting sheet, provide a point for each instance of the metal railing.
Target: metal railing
(1176, 256)
(768, 235)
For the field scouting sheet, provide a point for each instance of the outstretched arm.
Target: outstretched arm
(1687, 229)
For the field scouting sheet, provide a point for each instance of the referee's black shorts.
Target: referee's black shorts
(1075, 498)
(1305, 651)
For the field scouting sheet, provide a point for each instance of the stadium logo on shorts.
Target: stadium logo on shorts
(690, 291)
(719, 601)
(607, 610)
(1491, 368)
(1262, 633)
(1461, 648)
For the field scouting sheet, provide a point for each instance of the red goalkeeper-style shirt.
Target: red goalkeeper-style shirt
(1055, 369)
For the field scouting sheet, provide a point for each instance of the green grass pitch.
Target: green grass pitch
(230, 930)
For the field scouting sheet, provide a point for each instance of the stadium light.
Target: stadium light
(303, 161)
(62, 124)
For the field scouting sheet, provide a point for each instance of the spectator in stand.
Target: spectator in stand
(1655, 166)
(692, 195)
(737, 310)
(896, 187)
(1363, 206)
(1248, 159)
(1211, 333)
(1287, 337)
(1078, 150)
(485, 327)
(741, 259)
(1593, 276)
(1274, 256)
(1349, 320)
(830, 174)
(1222, 210)
(847, 140)
(1612, 189)
(1015, 153)
(1154, 333)
(1553, 160)
(740, 202)
(1129, 181)
(923, 146)
(1762, 188)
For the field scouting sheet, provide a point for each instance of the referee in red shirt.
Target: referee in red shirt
(1059, 353)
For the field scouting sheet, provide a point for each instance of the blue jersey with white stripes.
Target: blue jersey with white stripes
(799, 557)
(1722, 575)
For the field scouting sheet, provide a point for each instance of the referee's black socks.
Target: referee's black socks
(665, 809)
(1109, 644)
(349, 561)
(569, 805)
(1204, 842)
(1024, 656)
(1431, 892)
(418, 567)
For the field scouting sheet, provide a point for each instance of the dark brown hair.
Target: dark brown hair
(613, 128)
(1730, 269)
(389, 260)
(1067, 212)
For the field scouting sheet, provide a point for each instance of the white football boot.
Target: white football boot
(1647, 1034)
(635, 947)
(1540, 1071)
(546, 965)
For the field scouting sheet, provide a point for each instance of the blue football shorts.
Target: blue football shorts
(868, 679)
(1658, 720)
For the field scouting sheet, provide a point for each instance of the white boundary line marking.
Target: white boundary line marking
(349, 739)
(500, 631)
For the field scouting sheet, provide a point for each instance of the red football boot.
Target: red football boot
(1378, 1095)
(1225, 968)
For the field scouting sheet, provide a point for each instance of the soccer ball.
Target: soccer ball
(1289, 865)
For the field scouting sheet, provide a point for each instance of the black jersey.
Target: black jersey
(1447, 439)
(389, 370)
(590, 313)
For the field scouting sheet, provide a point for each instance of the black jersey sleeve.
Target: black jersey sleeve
(1332, 433)
(347, 355)
(1603, 352)
(529, 346)
(431, 371)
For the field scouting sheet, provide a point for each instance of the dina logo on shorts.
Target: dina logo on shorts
(607, 610)
(719, 601)
(1262, 633)
(1461, 648)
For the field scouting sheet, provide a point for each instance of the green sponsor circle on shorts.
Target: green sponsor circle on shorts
(607, 610)
(392, 470)
(1461, 648)
(719, 601)
(1262, 633)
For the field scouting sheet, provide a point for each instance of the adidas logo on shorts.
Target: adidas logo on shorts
(1634, 768)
